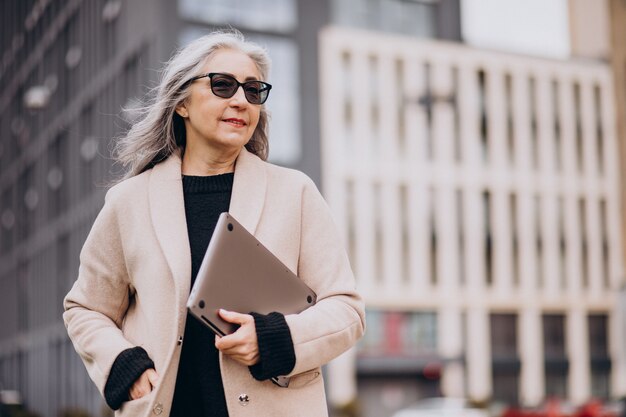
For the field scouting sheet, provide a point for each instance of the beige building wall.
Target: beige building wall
(589, 28)
(490, 161)
(618, 63)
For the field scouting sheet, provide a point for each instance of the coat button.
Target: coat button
(244, 399)
(180, 340)
(158, 409)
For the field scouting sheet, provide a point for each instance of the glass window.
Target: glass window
(556, 382)
(504, 335)
(556, 364)
(600, 387)
(598, 338)
(400, 16)
(506, 385)
(505, 361)
(281, 16)
(554, 335)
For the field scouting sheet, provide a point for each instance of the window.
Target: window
(584, 244)
(433, 243)
(488, 238)
(604, 236)
(597, 97)
(556, 364)
(539, 242)
(504, 336)
(407, 17)
(282, 16)
(534, 128)
(505, 360)
(484, 115)
(510, 131)
(599, 355)
(562, 243)
(558, 160)
(515, 247)
(379, 246)
(405, 232)
(461, 236)
(579, 128)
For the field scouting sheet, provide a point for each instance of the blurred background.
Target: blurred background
(469, 149)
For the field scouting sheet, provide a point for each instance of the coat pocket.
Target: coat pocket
(138, 407)
(305, 378)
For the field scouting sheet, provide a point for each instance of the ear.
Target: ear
(181, 110)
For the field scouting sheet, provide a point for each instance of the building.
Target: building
(490, 266)
(617, 13)
(479, 193)
(66, 71)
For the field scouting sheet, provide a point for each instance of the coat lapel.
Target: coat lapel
(249, 187)
(167, 209)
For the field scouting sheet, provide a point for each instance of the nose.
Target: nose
(239, 98)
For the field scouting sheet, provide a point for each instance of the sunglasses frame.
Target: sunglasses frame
(265, 86)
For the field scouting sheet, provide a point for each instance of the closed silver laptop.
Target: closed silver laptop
(239, 274)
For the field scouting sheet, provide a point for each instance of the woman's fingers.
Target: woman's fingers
(234, 317)
(144, 384)
(242, 345)
(153, 377)
(248, 358)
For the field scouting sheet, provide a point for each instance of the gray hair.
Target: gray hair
(160, 131)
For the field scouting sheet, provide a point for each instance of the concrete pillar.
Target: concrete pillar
(451, 348)
(342, 379)
(578, 353)
(617, 346)
(478, 355)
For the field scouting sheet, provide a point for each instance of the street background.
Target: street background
(473, 153)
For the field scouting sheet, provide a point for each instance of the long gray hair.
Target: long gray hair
(160, 131)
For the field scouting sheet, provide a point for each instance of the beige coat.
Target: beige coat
(134, 280)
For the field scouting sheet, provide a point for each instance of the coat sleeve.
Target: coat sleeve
(337, 320)
(95, 306)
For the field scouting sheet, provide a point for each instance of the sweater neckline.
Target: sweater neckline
(208, 184)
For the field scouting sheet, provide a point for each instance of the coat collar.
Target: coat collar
(167, 209)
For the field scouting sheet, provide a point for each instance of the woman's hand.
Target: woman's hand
(242, 345)
(144, 384)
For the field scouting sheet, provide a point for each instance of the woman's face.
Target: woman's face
(222, 124)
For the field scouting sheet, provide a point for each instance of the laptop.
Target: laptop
(239, 274)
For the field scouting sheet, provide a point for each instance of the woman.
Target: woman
(199, 150)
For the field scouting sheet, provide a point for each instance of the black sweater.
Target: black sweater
(199, 390)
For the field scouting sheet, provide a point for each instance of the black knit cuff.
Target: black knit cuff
(275, 346)
(127, 368)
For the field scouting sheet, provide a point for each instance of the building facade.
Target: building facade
(479, 195)
(67, 69)
(70, 74)
(477, 191)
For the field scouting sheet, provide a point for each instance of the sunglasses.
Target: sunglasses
(225, 86)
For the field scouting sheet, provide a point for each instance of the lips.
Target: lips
(235, 122)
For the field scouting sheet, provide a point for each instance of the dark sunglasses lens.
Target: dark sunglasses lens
(255, 91)
(223, 86)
